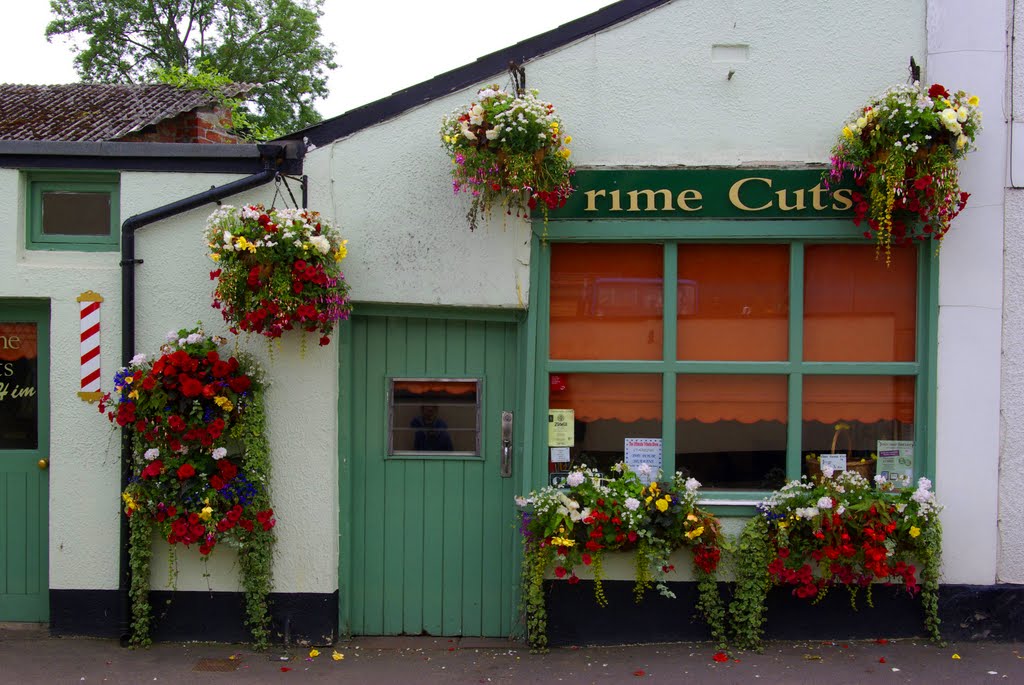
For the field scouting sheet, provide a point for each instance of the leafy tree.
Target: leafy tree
(276, 43)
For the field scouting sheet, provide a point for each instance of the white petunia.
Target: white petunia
(322, 244)
(219, 453)
(827, 471)
(151, 454)
(692, 484)
(171, 336)
(573, 479)
(632, 503)
(521, 501)
(825, 503)
(139, 359)
(193, 338)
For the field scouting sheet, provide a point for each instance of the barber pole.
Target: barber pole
(89, 314)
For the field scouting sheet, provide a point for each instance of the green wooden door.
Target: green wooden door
(431, 546)
(24, 441)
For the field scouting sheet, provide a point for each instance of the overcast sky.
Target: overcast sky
(382, 45)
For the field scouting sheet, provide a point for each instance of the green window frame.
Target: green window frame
(673, 233)
(41, 182)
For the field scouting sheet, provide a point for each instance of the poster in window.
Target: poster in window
(561, 424)
(19, 372)
(643, 456)
(896, 461)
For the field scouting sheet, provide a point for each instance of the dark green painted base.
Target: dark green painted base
(968, 612)
(303, 618)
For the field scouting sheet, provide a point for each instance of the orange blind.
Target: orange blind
(435, 387)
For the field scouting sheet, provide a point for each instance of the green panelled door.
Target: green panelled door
(24, 458)
(433, 541)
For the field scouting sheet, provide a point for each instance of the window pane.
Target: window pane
(850, 414)
(608, 408)
(19, 392)
(733, 302)
(432, 416)
(606, 301)
(68, 213)
(856, 309)
(731, 430)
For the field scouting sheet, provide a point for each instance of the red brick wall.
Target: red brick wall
(202, 125)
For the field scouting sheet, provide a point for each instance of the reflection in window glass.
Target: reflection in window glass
(856, 309)
(731, 430)
(71, 213)
(608, 408)
(606, 301)
(19, 393)
(435, 416)
(737, 302)
(850, 414)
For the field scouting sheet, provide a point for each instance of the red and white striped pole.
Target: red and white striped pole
(89, 314)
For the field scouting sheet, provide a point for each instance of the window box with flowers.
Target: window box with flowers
(564, 530)
(508, 149)
(278, 270)
(837, 530)
(200, 465)
(903, 149)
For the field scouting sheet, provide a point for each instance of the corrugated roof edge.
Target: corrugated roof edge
(471, 74)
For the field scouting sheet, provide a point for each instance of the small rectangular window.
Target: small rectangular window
(72, 211)
(434, 417)
(19, 380)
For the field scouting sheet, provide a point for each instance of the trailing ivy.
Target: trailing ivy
(752, 554)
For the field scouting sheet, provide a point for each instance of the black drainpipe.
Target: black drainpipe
(273, 157)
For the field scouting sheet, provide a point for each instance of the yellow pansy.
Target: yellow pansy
(206, 513)
(696, 532)
(129, 379)
(847, 133)
(662, 505)
(565, 152)
(554, 125)
(914, 531)
(654, 488)
(133, 395)
(973, 101)
(215, 256)
(562, 542)
(782, 524)
(648, 500)
(223, 402)
(568, 139)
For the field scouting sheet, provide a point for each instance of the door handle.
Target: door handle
(506, 444)
(43, 464)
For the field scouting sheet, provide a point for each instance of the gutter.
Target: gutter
(273, 157)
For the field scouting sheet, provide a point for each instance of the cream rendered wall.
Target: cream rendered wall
(84, 469)
(173, 291)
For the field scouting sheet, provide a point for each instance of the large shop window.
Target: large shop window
(766, 357)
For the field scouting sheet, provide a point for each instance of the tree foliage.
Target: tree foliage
(276, 43)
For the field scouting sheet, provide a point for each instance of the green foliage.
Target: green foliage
(276, 43)
(140, 552)
(207, 79)
(752, 554)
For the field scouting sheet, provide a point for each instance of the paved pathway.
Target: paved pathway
(29, 655)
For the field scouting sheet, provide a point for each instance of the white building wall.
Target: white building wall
(1011, 465)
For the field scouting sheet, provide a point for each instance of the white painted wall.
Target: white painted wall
(173, 292)
(966, 50)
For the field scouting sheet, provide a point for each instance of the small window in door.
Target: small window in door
(434, 417)
(19, 377)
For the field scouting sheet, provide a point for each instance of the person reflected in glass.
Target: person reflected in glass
(431, 431)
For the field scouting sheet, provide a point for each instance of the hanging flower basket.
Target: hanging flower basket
(200, 465)
(903, 149)
(279, 270)
(508, 150)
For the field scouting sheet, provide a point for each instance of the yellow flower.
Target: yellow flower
(337, 656)
(223, 402)
(847, 133)
(206, 513)
(568, 139)
(215, 256)
(662, 505)
(133, 395)
(129, 379)
(973, 101)
(955, 656)
(648, 500)
(565, 152)
(654, 488)
(914, 531)
(314, 653)
(691, 517)
(696, 532)
(554, 125)
(129, 502)
(562, 542)
(342, 251)
(782, 524)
